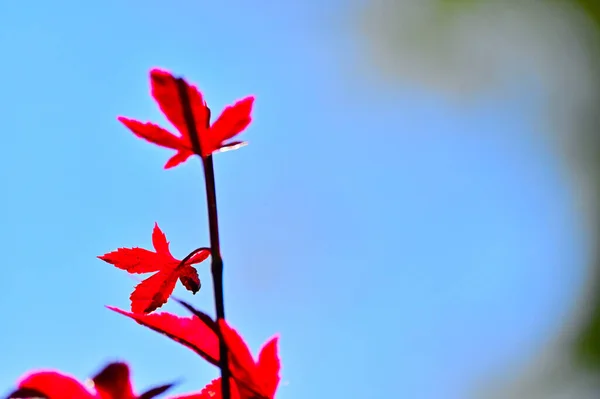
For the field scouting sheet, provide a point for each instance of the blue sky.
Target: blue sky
(401, 245)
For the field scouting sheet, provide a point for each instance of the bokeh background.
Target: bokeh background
(416, 213)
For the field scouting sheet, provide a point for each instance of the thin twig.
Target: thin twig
(213, 224)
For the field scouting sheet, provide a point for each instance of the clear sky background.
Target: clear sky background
(401, 245)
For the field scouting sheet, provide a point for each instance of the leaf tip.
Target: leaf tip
(128, 122)
(160, 76)
(104, 258)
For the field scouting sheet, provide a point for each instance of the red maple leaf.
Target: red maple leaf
(154, 291)
(113, 382)
(197, 136)
(253, 378)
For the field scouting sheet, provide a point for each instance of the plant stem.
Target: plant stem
(216, 268)
(213, 225)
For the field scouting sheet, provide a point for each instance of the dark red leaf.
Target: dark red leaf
(154, 392)
(189, 278)
(114, 382)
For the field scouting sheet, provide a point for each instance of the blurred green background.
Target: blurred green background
(467, 48)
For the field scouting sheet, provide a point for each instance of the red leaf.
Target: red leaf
(169, 92)
(189, 278)
(199, 257)
(154, 291)
(253, 379)
(113, 382)
(191, 332)
(269, 366)
(180, 157)
(55, 385)
(134, 260)
(155, 391)
(153, 133)
(165, 90)
(242, 366)
(232, 121)
(240, 353)
(159, 241)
